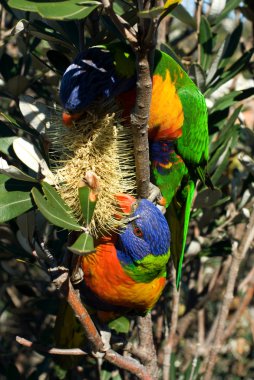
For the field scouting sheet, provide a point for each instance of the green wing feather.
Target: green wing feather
(193, 144)
(178, 216)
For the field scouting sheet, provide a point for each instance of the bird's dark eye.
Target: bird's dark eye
(137, 231)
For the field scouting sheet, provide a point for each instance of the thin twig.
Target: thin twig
(201, 312)
(124, 28)
(238, 255)
(246, 280)
(240, 310)
(53, 350)
(113, 357)
(167, 350)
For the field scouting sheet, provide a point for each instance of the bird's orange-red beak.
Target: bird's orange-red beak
(125, 202)
(68, 118)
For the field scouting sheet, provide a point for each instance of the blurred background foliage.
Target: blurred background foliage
(214, 43)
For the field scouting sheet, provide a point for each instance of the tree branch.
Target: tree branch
(146, 345)
(139, 121)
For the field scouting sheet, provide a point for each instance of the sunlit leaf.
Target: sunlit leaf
(35, 113)
(183, 15)
(31, 157)
(230, 5)
(24, 5)
(216, 8)
(14, 172)
(58, 10)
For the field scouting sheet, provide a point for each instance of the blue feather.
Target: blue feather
(91, 76)
(153, 235)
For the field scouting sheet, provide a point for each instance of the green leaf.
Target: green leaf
(213, 71)
(5, 143)
(231, 4)
(120, 325)
(57, 10)
(54, 209)
(231, 98)
(41, 30)
(24, 5)
(23, 127)
(231, 44)
(87, 206)
(183, 15)
(10, 119)
(206, 41)
(197, 74)
(13, 204)
(220, 159)
(32, 157)
(225, 134)
(14, 172)
(66, 10)
(231, 72)
(83, 245)
(151, 13)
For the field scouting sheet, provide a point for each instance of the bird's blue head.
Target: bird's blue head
(93, 75)
(147, 234)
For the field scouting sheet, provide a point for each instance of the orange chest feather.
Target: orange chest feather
(104, 275)
(166, 112)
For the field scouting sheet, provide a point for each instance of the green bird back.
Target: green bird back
(179, 146)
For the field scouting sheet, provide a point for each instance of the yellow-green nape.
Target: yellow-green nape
(148, 268)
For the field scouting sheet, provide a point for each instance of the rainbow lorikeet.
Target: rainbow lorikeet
(178, 131)
(127, 272)
(125, 275)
